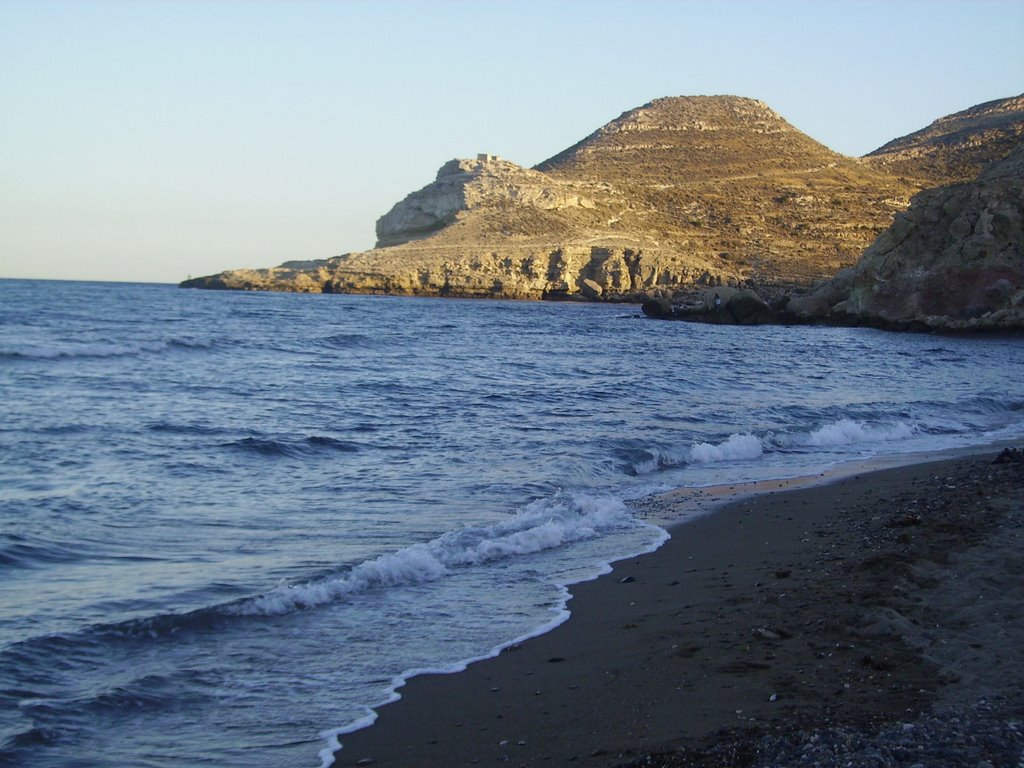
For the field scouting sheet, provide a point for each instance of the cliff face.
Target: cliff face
(680, 193)
(462, 186)
(954, 260)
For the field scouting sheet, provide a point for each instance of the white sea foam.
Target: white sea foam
(849, 432)
(604, 513)
(845, 432)
(541, 525)
(735, 447)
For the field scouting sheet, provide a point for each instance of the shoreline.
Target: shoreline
(790, 608)
(679, 506)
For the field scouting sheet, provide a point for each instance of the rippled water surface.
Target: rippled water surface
(229, 522)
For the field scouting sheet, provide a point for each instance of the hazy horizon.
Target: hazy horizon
(146, 142)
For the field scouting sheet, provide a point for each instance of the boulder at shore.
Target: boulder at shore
(722, 305)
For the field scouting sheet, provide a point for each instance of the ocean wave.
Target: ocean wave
(189, 344)
(749, 446)
(638, 461)
(31, 737)
(849, 432)
(349, 341)
(17, 551)
(152, 692)
(297, 446)
(542, 525)
(76, 350)
(57, 351)
(836, 434)
(53, 717)
(44, 656)
(184, 429)
(735, 447)
(988, 405)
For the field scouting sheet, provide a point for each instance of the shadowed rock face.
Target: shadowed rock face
(953, 260)
(679, 194)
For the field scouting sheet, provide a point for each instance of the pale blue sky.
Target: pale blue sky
(153, 139)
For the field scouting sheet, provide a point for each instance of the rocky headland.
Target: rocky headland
(666, 200)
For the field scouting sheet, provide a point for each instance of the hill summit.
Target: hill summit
(703, 137)
(679, 193)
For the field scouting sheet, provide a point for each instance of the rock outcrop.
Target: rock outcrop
(672, 197)
(462, 186)
(723, 305)
(954, 261)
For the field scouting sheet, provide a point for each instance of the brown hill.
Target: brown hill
(728, 180)
(679, 193)
(707, 137)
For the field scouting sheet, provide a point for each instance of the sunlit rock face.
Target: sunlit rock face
(665, 200)
(467, 185)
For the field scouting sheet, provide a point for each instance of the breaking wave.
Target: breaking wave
(735, 447)
(849, 432)
(541, 525)
(748, 446)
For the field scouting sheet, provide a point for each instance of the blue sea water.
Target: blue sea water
(231, 523)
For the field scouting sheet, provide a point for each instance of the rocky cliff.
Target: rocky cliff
(954, 260)
(465, 186)
(678, 194)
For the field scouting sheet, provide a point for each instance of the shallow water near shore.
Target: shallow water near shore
(229, 522)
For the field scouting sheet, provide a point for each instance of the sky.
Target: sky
(153, 140)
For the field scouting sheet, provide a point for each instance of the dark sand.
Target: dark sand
(862, 602)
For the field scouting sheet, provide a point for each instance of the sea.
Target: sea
(233, 524)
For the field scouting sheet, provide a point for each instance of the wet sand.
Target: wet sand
(864, 601)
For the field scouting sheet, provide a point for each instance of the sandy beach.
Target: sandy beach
(881, 612)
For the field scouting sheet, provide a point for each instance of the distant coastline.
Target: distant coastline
(689, 194)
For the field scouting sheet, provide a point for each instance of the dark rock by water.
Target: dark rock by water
(721, 305)
(660, 309)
